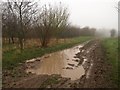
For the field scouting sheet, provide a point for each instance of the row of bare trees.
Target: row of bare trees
(17, 18)
(21, 18)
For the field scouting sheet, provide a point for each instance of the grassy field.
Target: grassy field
(111, 47)
(13, 57)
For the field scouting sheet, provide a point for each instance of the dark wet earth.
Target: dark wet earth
(82, 66)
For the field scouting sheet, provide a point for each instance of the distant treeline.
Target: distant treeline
(68, 32)
(73, 31)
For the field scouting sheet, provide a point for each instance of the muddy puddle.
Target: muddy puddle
(62, 62)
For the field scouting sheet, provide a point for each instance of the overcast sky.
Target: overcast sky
(93, 13)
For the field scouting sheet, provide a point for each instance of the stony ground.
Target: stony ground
(96, 71)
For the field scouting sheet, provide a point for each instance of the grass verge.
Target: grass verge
(111, 47)
(12, 58)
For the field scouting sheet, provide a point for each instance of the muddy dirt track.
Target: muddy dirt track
(91, 58)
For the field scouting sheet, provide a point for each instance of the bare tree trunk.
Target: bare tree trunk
(9, 40)
(57, 39)
(12, 40)
(44, 42)
(21, 44)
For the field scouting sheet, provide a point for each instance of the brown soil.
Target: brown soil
(96, 71)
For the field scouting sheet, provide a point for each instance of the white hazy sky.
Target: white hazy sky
(93, 13)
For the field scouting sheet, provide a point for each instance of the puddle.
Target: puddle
(62, 62)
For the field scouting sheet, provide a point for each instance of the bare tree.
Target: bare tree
(61, 16)
(50, 21)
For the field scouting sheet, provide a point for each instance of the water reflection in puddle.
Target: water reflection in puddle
(62, 63)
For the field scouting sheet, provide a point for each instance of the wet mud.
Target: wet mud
(64, 63)
(82, 66)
